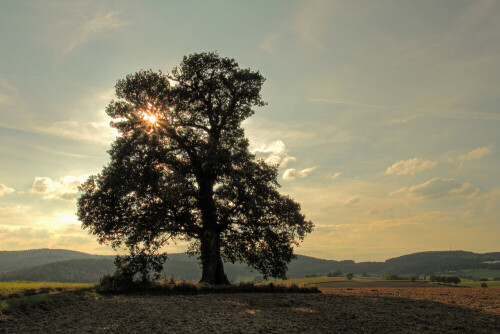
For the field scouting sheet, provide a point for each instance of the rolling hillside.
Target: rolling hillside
(70, 266)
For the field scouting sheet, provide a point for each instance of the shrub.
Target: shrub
(445, 279)
(334, 273)
(391, 277)
(314, 275)
(349, 276)
(484, 285)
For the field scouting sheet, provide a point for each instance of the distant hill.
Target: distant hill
(61, 265)
(71, 266)
(431, 262)
(16, 260)
(71, 271)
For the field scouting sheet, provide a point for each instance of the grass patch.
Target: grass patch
(17, 289)
(24, 303)
(480, 273)
(477, 284)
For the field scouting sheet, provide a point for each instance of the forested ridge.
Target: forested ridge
(71, 266)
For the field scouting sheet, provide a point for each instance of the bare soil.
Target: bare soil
(377, 284)
(341, 310)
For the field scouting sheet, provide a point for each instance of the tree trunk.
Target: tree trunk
(213, 267)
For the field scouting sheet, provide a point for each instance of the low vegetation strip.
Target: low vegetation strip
(479, 284)
(110, 284)
(16, 289)
(310, 280)
(42, 300)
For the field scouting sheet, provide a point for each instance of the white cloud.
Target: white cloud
(276, 148)
(286, 160)
(276, 153)
(273, 160)
(277, 160)
(64, 189)
(476, 154)
(4, 190)
(439, 188)
(410, 167)
(292, 173)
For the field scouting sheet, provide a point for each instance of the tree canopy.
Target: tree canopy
(181, 169)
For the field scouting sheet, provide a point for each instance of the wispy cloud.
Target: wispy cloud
(410, 167)
(311, 20)
(351, 103)
(4, 190)
(92, 26)
(476, 154)
(74, 23)
(292, 173)
(439, 188)
(334, 175)
(353, 200)
(269, 42)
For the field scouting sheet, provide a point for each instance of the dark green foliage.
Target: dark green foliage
(314, 275)
(189, 175)
(148, 266)
(334, 273)
(431, 262)
(445, 279)
(484, 285)
(349, 276)
(392, 277)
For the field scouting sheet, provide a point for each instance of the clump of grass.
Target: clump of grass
(41, 300)
(288, 301)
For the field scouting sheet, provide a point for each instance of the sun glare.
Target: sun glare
(150, 118)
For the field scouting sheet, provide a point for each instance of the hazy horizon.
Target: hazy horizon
(383, 115)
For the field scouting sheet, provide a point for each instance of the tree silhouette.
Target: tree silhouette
(182, 170)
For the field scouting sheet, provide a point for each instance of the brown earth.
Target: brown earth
(345, 310)
(377, 284)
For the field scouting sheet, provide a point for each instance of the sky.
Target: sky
(383, 115)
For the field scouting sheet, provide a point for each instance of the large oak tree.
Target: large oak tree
(181, 169)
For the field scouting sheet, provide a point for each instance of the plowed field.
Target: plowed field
(341, 310)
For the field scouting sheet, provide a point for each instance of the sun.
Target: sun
(150, 118)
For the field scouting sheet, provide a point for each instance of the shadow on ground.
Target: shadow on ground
(252, 313)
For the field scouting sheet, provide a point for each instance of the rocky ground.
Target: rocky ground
(337, 310)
